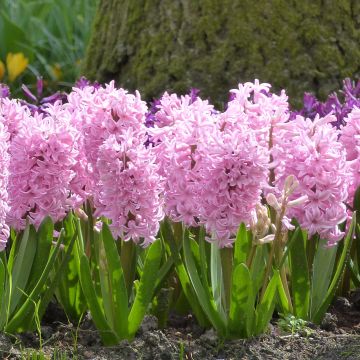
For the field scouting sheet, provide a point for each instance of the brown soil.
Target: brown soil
(337, 338)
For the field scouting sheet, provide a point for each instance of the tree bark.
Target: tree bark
(158, 45)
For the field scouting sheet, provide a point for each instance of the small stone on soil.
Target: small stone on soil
(329, 322)
(342, 303)
(210, 337)
(149, 323)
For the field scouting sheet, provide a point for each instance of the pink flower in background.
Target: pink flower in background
(181, 126)
(234, 170)
(129, 188)
(13, 115)
(43, 165)
(4, 175)
(253, 104)
(350, 138)
(103, 111)
(310, 151)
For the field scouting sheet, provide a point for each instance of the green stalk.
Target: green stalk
(128, 261)
(251, 256)
(227, 263)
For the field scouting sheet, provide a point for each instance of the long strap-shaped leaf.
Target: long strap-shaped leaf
(22, 265)
(323, 269)
(318, 316)
(118, 295)
(107, 335)
(44, 240)
(300, 281)
(168, 236)
(242, 245)
(265, 309)
(16, 322)
(2, 290)
(205, 300)
(354, 273)
(145, 291)
(242, 311)
(106, 332)
(48, 294)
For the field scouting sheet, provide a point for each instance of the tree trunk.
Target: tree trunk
(158, 45)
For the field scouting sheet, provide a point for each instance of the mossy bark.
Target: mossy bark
(157, 45)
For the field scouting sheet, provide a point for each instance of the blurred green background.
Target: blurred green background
(52, 35)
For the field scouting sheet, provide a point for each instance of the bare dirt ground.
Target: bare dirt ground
(337, 338)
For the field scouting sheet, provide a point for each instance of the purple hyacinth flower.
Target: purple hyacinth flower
(4, 91)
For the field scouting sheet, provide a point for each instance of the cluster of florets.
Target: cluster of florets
(350, 138)
(4, 175)
(43, 167)
(126, 185)
(180, 158)
(310, 151)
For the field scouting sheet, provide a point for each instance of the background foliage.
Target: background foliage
(51, 34)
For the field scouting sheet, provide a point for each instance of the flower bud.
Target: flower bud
(291, 183)
(266, 239)
(299, 201)
(272, 201)
(260, 221)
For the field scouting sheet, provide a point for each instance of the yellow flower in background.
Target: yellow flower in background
(2, 70)
(16, 64)
(56, 69)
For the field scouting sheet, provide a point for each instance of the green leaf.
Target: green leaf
(107, 335)
(299, 273)
(242, 311)
(43, 245)
(168, 237)
(355, 276)
(242, 245)
(258, 266)
(145, 291)
(318, 316)
(17, 321)
(118, 293)
(68, 291)
(48, 294)
(294, 236)
(5, 298)
(266, 306)
(163, 273)
(323, 268)
(2, 284)
(22, 265)
(203, 258)
(217, 284)
(284, 303)
(12, 38)
(208, 305)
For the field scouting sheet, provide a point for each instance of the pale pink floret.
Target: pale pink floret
(43, 166)
(129, 188)
(213, 165)
(181, 127)
(234, 172)
(104, 111)
(14, 115)
(4, 175)
(350, 138)
(310, 151)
